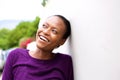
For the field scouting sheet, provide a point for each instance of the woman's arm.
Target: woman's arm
(7, 70)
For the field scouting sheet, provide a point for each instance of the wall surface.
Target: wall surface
(95, 41)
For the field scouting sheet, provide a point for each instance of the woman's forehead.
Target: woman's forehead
(55, 20)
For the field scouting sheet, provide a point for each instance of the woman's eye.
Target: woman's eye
(54, 31)
(44, 26)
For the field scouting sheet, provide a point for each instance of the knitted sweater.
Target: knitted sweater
(21, 66)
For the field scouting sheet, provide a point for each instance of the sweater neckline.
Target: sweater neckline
(40, 60)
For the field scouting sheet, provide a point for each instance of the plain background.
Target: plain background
(95, 40)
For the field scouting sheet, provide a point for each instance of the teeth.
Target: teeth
(44, 39)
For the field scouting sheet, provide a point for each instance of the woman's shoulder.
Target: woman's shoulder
(17, 51)
(64, 56)
(64, 59)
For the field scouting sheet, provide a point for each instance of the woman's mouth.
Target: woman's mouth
(43, 39)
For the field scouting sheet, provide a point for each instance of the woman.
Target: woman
(42, 63)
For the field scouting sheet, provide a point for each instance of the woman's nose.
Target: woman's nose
(46, 31)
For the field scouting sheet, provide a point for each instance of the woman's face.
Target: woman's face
(50, 34)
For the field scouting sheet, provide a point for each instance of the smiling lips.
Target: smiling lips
(44, 38)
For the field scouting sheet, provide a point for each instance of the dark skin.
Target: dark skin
(48, 37)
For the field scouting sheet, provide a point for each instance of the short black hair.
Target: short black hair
(67, 25)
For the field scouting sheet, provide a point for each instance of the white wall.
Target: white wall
(95, 36)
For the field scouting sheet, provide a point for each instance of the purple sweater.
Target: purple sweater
(21, 66)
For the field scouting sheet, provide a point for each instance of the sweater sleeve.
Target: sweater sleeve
(7, 71)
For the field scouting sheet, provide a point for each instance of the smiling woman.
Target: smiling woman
(42, 63)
